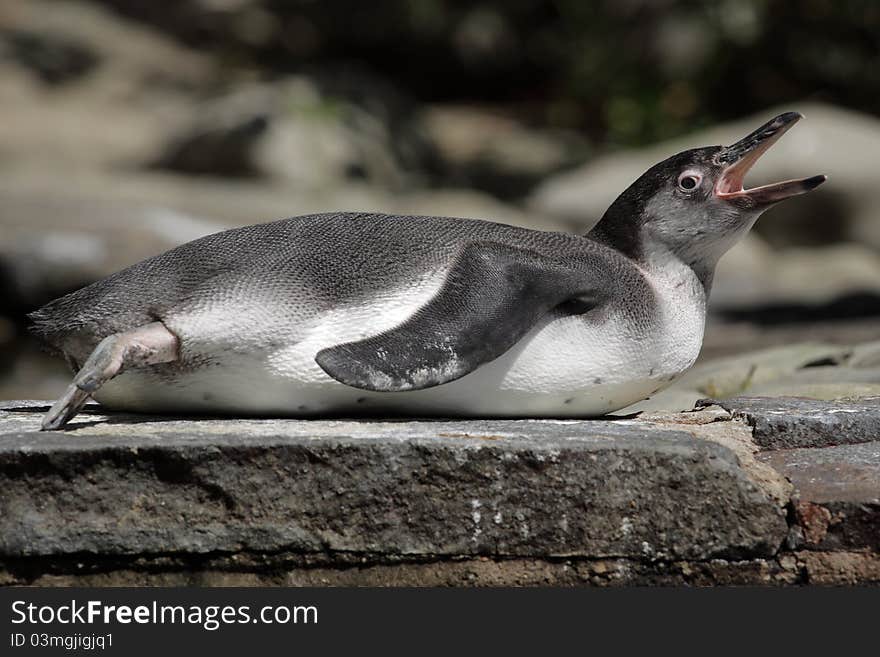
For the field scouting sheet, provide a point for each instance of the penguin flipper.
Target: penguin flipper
(493, 295)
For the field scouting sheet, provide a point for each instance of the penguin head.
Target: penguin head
(693, 204)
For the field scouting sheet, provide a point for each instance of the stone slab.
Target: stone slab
(131, 485)
(836, 504)
(793, 422)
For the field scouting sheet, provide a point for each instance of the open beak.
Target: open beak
(739, 158)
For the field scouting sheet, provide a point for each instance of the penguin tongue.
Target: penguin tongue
(741, 156)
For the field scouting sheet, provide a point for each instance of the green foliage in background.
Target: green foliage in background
(623, 71)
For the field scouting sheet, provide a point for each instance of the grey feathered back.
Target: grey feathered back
(312, 261)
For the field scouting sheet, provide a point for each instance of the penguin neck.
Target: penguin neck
(622, 229)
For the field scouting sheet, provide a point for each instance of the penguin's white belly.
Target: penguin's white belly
(567, 367)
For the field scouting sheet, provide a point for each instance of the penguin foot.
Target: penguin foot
(150, 344)
(63, 410)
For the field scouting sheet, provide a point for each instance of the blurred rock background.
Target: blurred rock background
(130, 126)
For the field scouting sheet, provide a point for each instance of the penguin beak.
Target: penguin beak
(738, 158)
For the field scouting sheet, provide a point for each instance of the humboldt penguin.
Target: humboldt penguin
(364, 313)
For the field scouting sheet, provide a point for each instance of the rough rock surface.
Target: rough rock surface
(510, 488)
(837, 494)
(658, 499)
(786, 423)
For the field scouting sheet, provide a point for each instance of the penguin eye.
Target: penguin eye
(689, 181)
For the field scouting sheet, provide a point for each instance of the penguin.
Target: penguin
(363, 313)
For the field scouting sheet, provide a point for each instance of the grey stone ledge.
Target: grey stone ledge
(128, 485)
(837, 494)
(793, 422)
